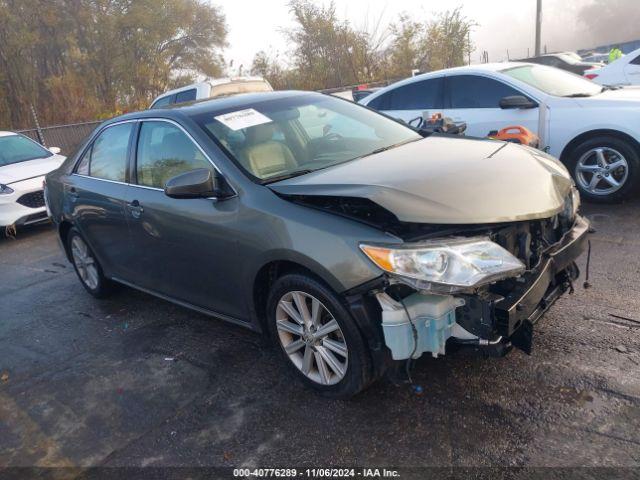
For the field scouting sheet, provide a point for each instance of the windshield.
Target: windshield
(284, 137)
(16, 148)
(554, 81)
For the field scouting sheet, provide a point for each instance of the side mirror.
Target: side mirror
(54, 150)
(198, 183)
(517, 101)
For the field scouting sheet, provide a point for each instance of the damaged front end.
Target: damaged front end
(503, 279)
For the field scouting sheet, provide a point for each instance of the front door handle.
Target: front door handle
(135, 208)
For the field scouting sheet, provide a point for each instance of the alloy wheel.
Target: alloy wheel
(602, 171)
(311, 337)
(84, 262)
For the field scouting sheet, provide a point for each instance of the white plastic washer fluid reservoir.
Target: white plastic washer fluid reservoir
(433, 317)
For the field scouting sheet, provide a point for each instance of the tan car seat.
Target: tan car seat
(263, 156)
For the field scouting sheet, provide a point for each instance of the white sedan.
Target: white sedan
(594, 130)
(23, 165)
(623, 71)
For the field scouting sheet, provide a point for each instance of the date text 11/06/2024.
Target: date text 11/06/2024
(315, 473)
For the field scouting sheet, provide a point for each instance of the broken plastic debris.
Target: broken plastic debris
(169, 359)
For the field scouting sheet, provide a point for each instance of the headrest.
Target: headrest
(260, 133)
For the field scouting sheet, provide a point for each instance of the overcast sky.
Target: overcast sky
(567, 24)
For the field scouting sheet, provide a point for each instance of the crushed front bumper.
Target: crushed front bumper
(543, 285)
(489, 322)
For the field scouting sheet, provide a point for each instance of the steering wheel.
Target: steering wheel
(333, 136)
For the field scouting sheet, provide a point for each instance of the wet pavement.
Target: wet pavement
(137, 381)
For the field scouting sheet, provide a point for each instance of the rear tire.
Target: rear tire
(606, 169)
(300, 310)
(87, 266)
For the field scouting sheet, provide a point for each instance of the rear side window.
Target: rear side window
(163, 102)
(164, 151)
(107, 158)
(186, 96)
(635, 61)
(422, 95)
(473, 91)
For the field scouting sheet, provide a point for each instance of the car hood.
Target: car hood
(16, 172)
(447, 180)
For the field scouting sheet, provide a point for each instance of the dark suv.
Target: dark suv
(348, 236)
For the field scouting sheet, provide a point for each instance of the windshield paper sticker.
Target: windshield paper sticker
(243, 119)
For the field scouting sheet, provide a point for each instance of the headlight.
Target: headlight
(5, 190)
(447, 265)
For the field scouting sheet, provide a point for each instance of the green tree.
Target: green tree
(328, 52)
(80, 59)
(442, 42)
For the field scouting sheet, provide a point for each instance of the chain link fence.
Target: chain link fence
(67, 137)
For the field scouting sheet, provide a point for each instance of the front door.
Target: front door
(475, 99)
(96, 193)
(184, 248)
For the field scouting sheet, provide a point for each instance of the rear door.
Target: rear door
(185, 249)
(96, 193)
(409, 101)
(632, 71)
(475, 99)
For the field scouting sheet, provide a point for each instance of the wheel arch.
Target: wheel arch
(269, 272)
(573, 144)
(63, 231)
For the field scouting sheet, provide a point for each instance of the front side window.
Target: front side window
(294, 135)
(163, 102)
(635, 61)
(553, 81)
(17, 148)
(474, 91)
(108, 155)
(422, 95)
(165, 151)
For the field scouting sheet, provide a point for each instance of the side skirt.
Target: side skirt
(190, 306)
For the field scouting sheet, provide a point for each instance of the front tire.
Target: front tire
(87, 266)
(317, 336)
(606, 169)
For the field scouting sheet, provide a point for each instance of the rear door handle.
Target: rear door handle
(135, 208)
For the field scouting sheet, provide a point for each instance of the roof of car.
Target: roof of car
(212, 105)
(469, 69)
